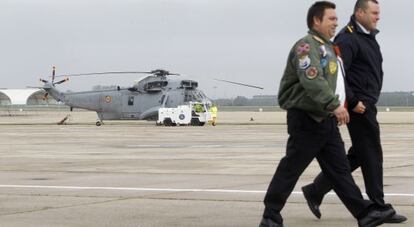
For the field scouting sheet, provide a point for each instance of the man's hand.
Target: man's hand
(359, 108)
(341, 115)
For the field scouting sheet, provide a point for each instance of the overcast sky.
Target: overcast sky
(240, 40)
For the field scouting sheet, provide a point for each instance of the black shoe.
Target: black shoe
(267, 222)
(396, 218)
(375, 218)
(312, 203)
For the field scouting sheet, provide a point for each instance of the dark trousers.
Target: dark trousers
(366, 152)
(309, 139)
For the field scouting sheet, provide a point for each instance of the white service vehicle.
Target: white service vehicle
(194, 113)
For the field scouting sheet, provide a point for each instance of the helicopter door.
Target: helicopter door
(130, 107)
(109, 105)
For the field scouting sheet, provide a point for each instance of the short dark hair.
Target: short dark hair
(318, 10)
(363, 4)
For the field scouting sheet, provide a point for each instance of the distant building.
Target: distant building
(264, 100)
(28, 96)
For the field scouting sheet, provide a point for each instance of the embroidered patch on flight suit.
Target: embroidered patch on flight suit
(303, 49)
(332, 67)
(311, 73)
(322, 50)
(324, 62)
(304, 62)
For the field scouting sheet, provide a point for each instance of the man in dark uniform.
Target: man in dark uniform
(363, 67)
(312, 91)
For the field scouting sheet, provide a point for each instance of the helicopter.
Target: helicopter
(138, 102)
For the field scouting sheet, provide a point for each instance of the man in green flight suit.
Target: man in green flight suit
(313, 93)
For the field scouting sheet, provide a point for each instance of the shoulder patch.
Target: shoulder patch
(304, 62)
(311, 73)
(350, 29)
(303, 49)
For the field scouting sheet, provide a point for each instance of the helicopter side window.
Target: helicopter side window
(189, 84)
(130, 100)
(156, 85)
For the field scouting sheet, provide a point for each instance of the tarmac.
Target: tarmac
(133, 173)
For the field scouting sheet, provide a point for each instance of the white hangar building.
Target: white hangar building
(30, 96)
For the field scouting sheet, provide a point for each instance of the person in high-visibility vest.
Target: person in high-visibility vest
(213, 111)
(198, 108)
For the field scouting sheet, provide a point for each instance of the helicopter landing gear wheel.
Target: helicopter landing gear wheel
(196, 122)
(98, 123)
(168, 122)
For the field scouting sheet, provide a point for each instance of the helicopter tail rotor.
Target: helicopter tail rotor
(53, 78)
(53, 73)
(61, 81)
(48, 85)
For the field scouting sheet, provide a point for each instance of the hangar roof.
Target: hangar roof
(19, 96)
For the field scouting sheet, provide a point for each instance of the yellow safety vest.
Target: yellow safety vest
(213, 111)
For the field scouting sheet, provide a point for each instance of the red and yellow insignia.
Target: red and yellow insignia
(311, 73)
(303, 49)
(108, 99)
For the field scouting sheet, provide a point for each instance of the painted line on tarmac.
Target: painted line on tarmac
(169, 189)
(272, 145)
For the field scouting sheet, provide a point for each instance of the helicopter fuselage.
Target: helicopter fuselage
(140, 102)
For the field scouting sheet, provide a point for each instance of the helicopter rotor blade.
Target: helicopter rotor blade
(241, 84)
(53, 73)
(61, 81)
(162, 72)
(104, 73)
(157, 72)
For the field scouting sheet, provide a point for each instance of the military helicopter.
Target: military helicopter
(139, 102)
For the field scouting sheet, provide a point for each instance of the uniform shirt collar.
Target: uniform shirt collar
(359, 28)
(317, 34)
(363, 29)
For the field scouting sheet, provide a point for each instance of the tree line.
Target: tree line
(386, 99)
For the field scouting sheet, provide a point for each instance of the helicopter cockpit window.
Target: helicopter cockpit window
(189, 84)
(155, 85)
(130, 100)
(194, 95)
